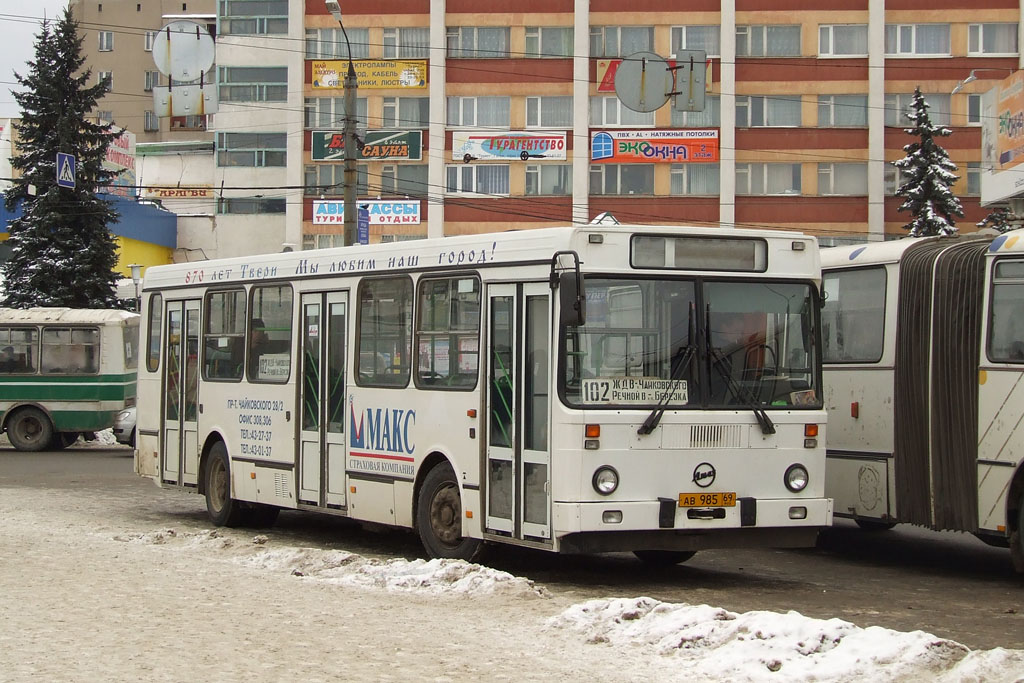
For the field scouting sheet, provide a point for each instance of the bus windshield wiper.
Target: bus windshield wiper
(740, 393)
(684, 354)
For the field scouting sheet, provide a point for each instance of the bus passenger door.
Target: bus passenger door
(518, 390)
(181, 394)
(322, 399)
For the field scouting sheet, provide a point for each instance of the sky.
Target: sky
(19, 24)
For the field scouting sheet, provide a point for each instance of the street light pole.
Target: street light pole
(351, 85)
(136, 279)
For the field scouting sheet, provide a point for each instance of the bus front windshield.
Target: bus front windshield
(690, 344)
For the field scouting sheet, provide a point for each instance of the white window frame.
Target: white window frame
(827, 40)
(148, 39)
(535, 176)
(467, 175)
(396, 48)
(601, 172)
(151, 80)
(972, 177)
(827, 172)
(106, 41)
(749, 103)
(745, 172)
(458, 107)
(901, 103)
(601, 40)
(236, 79)
(151, 122)
(907, 33)
(680, 180)
(974, 109)
(391, 110)
(456, 37)
(976, 39)
(681, 40)
(601, 106)
(105, 76)
(711, 117)
(535, 112)
(750, 30)
(258, 151)
(535, 42)
(828, 103)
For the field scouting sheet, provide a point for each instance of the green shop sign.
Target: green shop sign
(406, 145)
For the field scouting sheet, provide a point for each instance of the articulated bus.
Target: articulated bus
(64, 371)
(924, 384)
(589, 389)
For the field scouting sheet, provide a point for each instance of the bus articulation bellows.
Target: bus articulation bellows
(589, 389)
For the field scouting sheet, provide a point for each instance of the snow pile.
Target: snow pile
(719, 644)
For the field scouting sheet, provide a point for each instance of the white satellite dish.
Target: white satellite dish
(643, 81)
(183, 50)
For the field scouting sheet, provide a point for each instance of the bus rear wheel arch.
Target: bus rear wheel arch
(222, 509)
(439, 516)
(30, 429)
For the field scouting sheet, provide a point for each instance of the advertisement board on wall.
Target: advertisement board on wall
(657, 146)
(120, 158)
(406, 145)
(606, 69)
(507, 145)
(381, 211)
(1002, 140)
(374, 74)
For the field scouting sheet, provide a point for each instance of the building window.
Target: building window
(151, 121)
(548, 179)
(620, 41)
(486, 179)
(253, 17)
(758, 110)
(252, 149)
(973, 179)
(405, 179)
(890, 179)
(609, 112)
(916, 39)
(549, 41)
(106, 41)
(694, 179)
(329, 179)
(768, 41)
(104, 116)
(478, 42)
(842, 111)
(250, 205)
(188, 122)
(108, 77)
(549, 112)
(406, 112)
(329, 43)
(974, 109)
(385, 330)
(448, 333)
(707, 38)
(479, 111)
(766, 179)
(991, 39)
(711, 117)
(329, 113)
(843, 179)
(843, 40)
(152, 80)
(253, 84)
(322, 241)
(407, 43)
(148, 39)
(622, 179)
(897, 106)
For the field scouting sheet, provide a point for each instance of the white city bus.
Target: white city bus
(924, 362)
(453, 386)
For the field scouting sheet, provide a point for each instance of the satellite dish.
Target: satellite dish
(643, 81)
(183, 50)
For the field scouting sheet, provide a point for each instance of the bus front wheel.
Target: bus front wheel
(663, 558)
(439, 517)
(30, 429)
(222, 509)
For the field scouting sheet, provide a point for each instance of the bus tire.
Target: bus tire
(1017, 539)
(663, 558)
(62, 440)
(30, 429)
(261, 516)
(222, 509)
(439, 517)
(874, 525)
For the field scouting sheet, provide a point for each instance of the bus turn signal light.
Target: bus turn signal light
(810, 430)
(592, 431)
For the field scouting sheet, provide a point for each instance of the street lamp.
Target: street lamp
(351, 85)
(137, 279)
(971, 77)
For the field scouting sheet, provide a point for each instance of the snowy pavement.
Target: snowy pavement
(89, 596)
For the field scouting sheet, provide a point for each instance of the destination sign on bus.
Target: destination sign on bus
(624, 390)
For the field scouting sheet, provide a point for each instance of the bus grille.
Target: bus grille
(705, 436)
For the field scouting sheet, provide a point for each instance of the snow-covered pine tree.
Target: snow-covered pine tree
(1000, 219)
(927, 174)
(62, 253)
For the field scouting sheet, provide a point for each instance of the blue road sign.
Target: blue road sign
(65, 170)
(363, 226)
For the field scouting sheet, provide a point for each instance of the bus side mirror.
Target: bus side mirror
(571, 299)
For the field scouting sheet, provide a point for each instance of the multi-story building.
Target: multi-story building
(478, 117)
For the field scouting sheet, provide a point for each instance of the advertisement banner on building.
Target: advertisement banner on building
(186, 192)
(606, 69)
(658, 146)
(510, 145)
(1010, 122)
(120, 158)
(381, 212)
(373, 74)
(404, 145)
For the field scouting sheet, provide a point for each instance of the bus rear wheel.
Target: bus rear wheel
(222, 509)
(663, 558)
(30, 429)
(1017, 539)
(439, 517)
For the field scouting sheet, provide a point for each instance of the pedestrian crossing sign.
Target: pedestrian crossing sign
(65, 170)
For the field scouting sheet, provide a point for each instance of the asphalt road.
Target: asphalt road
(951, 585)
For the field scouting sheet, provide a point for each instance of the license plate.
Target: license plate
(718, 499)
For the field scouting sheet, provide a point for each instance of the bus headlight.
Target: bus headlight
(796, 478)
(605, 480)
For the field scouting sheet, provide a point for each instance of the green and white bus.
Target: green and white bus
(64, 371)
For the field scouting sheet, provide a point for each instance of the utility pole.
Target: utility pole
(351, 85)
